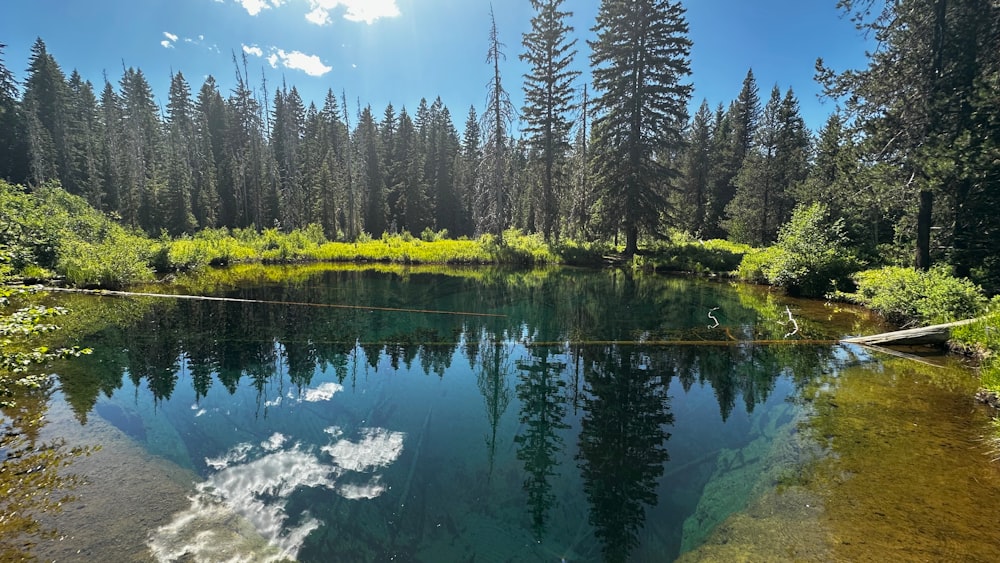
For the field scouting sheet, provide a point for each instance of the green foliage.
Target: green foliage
(50, 229)
(638, 44)
(684, 254)
(17, 359)
(909, 297)
(983, 338)
(810, 257)
(751, 268)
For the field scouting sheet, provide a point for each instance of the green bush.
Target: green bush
(810, 258)
(685, 254)
(910, 297)
(752, 265)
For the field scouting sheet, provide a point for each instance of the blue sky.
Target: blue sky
(382, 51)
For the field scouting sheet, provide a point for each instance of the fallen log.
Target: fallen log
(934, 335)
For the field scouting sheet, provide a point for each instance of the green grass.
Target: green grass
(982, 338)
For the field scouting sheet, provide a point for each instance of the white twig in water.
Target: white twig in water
(791, 319)
(711, 316)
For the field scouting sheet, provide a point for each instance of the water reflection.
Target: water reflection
(34, 477)
(241, 510)
(540, 389)
(622, 444)
(296, 417)
(494, 369)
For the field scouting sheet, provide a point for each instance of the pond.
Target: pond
(325, 413)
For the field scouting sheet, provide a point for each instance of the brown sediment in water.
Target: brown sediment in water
(126, 494)
(907, 476)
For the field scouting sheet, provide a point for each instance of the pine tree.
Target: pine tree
(723, 171)
(13, 149)
(639, 60)
(83, 142)
(927, 105)
(210, 119)
(493, 187)
(697, 169)
(370, 172)
(746, 115)
(771, 172)
(45, 107)
(548, 100)
(289, 123)
(466, 169)
(141, 147)
(181, 158)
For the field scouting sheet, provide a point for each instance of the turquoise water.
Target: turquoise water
(581, 421)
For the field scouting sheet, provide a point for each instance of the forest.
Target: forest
(904, 173)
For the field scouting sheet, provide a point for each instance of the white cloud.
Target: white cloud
(253, 50)
(254, 7)
(170, 36)
(297, 60)
(355, 10)
(166, 44)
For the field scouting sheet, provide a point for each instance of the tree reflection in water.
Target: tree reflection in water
(622, 443)
(540, 389)
(494, 367)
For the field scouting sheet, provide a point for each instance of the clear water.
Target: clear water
(583, 421)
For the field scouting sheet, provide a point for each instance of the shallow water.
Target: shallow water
(595, 417)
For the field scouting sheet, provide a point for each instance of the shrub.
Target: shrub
(908, 297)
(810, 257)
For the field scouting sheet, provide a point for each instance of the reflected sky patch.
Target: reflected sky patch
(238, 513)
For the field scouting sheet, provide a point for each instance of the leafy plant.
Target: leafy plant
(910, 297)
(810, 257)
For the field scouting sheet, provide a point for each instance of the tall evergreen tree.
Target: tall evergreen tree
(697, 168)
(371, 172)
(639, 60)
(548, 99)
(287, 132)
(746, 114)
(927, 105)
(466, 169)
(493, 188)
(141, 147)
(83, 142)
(182, 153)
(771, 172)
(13, 149)
(210, 119)
(45, 107)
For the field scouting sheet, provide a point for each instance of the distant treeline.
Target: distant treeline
(619, 157)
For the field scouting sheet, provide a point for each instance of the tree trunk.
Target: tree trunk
(923, 254)
(631, 240)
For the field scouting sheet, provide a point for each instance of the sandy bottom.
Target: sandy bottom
(125, 495)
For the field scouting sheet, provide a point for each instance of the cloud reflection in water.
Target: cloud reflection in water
(239, 511)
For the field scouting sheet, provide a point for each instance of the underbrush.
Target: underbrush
(982, 338)
(682, 253)
(909, 297)
(810, 258)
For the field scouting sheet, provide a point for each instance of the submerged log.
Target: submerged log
(936, 335)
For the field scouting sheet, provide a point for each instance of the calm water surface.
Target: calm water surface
(549, 416)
